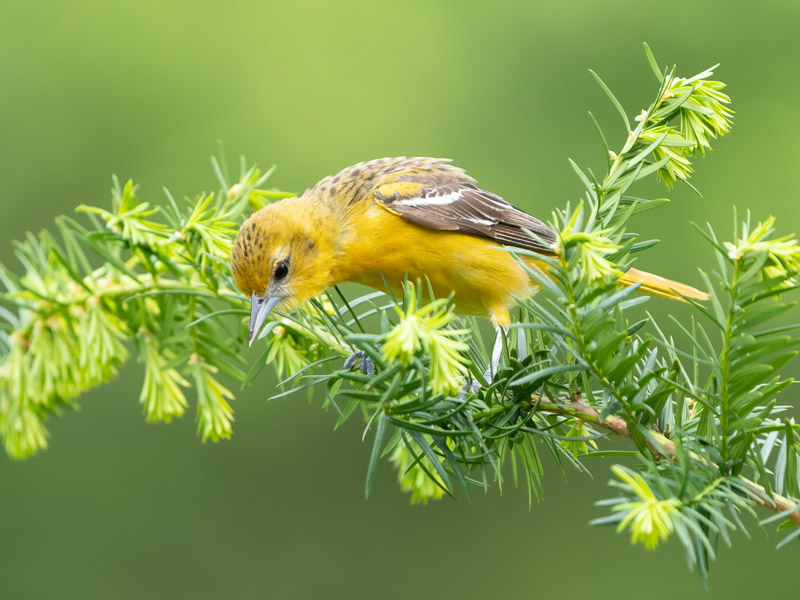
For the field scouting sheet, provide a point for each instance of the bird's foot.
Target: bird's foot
(491, 368)
(366, 366)
(474, 386)
(471, 387)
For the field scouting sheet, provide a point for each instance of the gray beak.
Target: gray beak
(260, 307)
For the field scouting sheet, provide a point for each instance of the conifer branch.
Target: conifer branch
(580, 360)
(663, 446)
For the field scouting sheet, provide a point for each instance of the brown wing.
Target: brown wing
(440, 196)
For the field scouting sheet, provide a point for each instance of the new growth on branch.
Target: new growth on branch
(709, 443)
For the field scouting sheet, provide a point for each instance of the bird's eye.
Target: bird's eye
(281, 270)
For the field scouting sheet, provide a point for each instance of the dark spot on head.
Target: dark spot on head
(336, 179)
(310, 245)
(356, 172)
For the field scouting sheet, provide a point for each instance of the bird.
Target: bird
(385, 220)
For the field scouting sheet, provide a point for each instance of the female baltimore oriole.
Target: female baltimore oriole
(376, 221)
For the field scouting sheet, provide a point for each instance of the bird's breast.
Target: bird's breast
(380, 245)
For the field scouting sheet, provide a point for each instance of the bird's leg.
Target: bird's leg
(497, 353)
(366, 366)
(494, 364)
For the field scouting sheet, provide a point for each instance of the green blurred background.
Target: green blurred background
(117, 508)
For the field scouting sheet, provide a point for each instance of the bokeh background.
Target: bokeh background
(118, 508)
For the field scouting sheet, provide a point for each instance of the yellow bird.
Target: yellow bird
(377, 221)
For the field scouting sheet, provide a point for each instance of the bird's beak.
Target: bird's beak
(260, 307)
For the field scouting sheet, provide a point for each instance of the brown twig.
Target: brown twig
(665, 447)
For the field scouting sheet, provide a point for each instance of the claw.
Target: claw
(351, 360)
(367, 366)
(474, 386)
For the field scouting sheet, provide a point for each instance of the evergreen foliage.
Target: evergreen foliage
(582, 364)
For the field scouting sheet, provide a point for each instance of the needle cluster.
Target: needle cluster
(695, 400)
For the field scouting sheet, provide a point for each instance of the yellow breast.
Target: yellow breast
(483, 277)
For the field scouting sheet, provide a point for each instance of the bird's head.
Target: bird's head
(281, 257)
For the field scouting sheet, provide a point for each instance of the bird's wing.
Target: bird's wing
(443, 197)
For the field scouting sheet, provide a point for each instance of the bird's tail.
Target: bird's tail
(658, 286)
